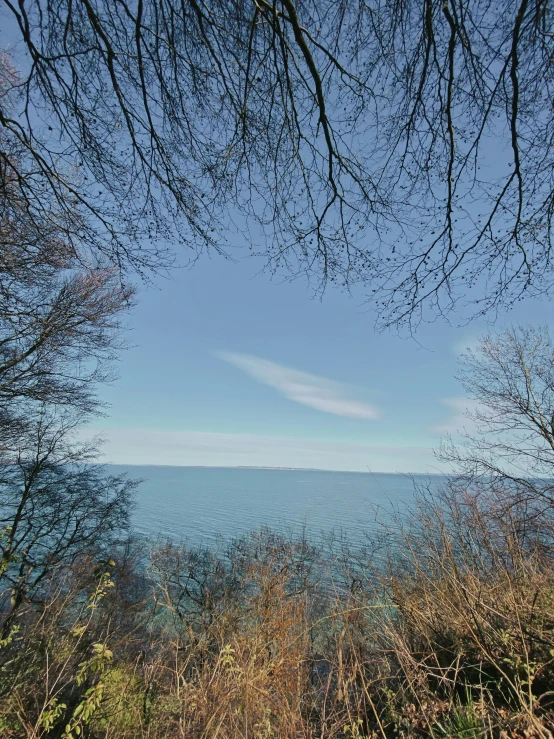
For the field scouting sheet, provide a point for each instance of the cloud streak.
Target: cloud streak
(300, 387)
(460, 418)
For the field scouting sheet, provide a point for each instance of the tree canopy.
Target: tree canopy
(404, 146)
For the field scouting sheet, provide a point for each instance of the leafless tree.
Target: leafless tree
(54, 508)
(59, 334)
(509, 447)
(402, 145)
(59, 322)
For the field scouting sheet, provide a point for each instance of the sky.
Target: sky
(228, 367)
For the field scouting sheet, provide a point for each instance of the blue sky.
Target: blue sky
(230, 367)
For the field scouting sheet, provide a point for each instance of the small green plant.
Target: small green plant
(462, 722)
(51, 714)
(84, 711)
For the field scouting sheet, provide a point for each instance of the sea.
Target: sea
(205, 505)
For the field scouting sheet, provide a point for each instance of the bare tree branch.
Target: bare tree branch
(402, 147)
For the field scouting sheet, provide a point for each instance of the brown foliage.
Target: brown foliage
(448, 640)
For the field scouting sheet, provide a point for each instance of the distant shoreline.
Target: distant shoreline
(278, 469)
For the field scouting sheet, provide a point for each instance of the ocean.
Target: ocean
(203, 504)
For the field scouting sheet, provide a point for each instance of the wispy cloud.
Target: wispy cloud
(470, 342)
(459, 418)
(301, 387)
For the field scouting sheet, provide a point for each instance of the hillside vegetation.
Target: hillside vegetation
(442, 629)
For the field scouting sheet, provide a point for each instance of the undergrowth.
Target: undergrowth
(444, 627)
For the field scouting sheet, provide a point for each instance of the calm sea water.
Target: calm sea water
(201, 504)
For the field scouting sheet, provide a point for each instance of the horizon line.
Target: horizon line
(265, 467)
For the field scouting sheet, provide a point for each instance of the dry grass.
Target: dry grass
(451, 636)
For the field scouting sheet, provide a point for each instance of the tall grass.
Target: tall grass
(446, 629)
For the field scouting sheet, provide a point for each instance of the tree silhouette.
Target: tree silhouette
(404, 146)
